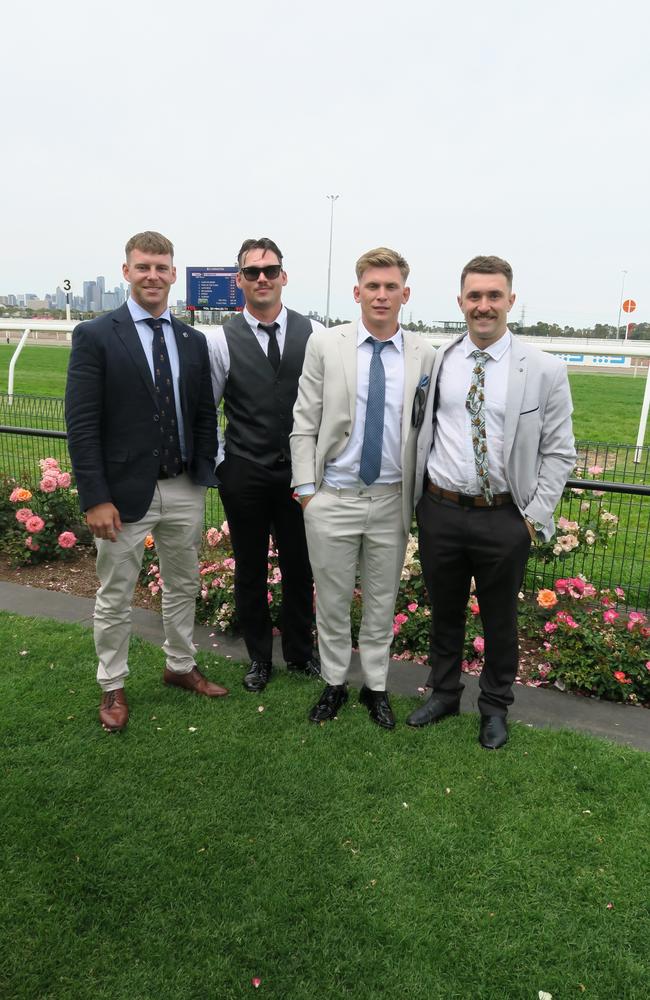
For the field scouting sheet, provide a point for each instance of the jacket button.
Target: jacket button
(347, 434)
(156, 417)
(155, 452)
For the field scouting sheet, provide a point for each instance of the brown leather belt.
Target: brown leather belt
(463, 500)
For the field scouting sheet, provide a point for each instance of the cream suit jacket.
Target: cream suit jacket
(539, 451)
(325, 408)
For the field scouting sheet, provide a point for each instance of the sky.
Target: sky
(447, 129)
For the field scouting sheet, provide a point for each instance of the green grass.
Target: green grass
(40, 370)
(335, 861)
(607, 407)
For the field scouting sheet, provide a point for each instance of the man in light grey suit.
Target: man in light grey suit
(494, 454)
(360, 400)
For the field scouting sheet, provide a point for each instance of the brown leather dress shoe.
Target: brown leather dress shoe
(194, 681)
(114, 710)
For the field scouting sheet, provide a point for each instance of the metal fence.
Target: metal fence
(33, 427)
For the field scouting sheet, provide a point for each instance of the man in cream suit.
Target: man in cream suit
(494, 454)
(360, 400)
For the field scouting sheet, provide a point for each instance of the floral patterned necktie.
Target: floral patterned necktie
(475, 403)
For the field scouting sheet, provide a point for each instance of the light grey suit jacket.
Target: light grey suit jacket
(539, 451)
(325, 408)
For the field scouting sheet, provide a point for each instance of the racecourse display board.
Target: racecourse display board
(213, 288)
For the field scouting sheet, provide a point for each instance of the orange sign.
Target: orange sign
(629, 306)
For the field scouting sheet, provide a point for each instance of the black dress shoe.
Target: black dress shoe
(258, 676)
(432, 711)
(329, 703)
(378, 707)
(494, 732)
(310, 668)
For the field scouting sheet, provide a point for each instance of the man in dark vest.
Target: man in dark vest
(256, 362)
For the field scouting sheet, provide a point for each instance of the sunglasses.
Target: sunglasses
(271, 271)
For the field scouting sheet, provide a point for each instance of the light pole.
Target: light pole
(332, 198)
(620, 305)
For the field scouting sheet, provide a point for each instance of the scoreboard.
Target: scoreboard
(213, 288)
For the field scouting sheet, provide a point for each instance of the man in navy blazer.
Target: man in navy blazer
(142, 436)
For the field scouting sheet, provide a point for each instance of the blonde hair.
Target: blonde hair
(382, 257)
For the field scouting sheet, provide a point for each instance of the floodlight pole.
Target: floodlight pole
(620, 304)
(332, 198)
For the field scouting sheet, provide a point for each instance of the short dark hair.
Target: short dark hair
(486, 265)
(150, 242)
(263, 243)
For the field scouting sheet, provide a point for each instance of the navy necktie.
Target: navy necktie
(373, 434)
(274, 348)
(171, 462)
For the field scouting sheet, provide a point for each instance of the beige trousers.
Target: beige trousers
(175, 519)
(347, 529)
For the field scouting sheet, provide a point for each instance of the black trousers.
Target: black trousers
(492, 545)
(258, 502)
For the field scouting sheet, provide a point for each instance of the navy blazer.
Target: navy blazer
(112, 413)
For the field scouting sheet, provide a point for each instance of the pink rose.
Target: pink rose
(621, 677)
(31, 544)
(48, 463)
(63, 479)
(23, 514)
(647, 666)
(479, 644)
(550, 626)
(400, 619)
(34, 524)
(610, 615)
(67, 539)
(474, 607)
(561, 586)
(213, 537)
(225, 530)
(412, 606)
(595, 470)
(48, 484)
(619, 591)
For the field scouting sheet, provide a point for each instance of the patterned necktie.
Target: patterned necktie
(274, 348)
(373, 434)
(171, 462)
(475, 403)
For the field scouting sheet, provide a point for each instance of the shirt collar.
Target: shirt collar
(396, 340)
(280, 319)
(138, 313)
(495, 350)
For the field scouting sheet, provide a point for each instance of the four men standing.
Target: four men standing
(494, 450)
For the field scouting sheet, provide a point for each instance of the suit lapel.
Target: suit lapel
(412, 371)
(347, 343)
(126, 331)
(514, 396)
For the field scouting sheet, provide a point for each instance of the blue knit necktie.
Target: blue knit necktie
(171, 462)
(373, 435)
(475, 404)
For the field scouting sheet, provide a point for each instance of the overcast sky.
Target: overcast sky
(446, 128)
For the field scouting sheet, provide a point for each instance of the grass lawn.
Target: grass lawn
(607, 407)
(212, 843)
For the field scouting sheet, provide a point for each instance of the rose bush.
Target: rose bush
(37, 520)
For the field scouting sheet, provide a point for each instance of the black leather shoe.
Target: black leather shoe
(258, 676)
(309, 668)
(329, 703)
(378, 707)
(432, 711)
(494, 732)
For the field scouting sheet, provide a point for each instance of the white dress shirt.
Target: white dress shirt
(451, 462)
(145, 333)
(343, 471)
